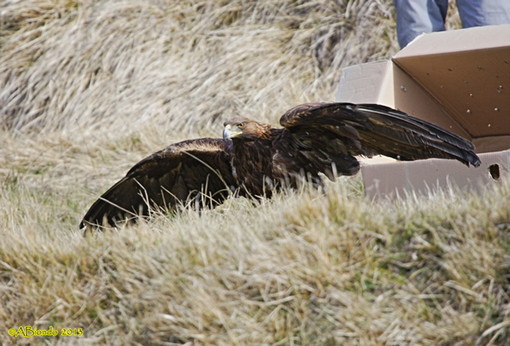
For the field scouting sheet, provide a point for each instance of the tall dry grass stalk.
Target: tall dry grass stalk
(89, 88)
(183, 65)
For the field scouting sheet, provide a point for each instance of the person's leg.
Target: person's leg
(415, 17)
(484, 12)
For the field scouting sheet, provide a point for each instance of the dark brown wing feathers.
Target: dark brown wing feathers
(195, 168)
(369, 129)
(315, 138)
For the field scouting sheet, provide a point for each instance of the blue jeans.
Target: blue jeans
(415, 17)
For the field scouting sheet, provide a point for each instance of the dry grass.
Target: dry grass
(89, 88)
(178, 65)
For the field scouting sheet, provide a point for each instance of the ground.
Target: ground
(89, 89)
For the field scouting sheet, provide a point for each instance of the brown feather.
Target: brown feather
(373, 129)
(254, 159)
(181, 172)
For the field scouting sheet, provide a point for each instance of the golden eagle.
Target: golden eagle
(254, 159)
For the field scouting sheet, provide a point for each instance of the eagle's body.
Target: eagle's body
(265, 161)
(253, 159)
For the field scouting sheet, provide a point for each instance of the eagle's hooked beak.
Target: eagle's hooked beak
(230, 131)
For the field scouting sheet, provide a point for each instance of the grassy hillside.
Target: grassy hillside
(89, 88)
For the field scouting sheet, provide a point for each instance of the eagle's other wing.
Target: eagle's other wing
(369, 129)
(194, 169)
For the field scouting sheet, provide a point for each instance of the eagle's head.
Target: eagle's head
(245, 129)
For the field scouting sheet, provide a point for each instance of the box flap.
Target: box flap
(367, 83)
(452, 41)
(468, 72)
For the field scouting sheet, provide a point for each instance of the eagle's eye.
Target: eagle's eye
(241, 125)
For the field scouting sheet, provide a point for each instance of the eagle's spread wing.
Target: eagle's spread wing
(340, 131)
(197, 170)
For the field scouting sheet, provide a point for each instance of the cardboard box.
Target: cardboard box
(459, 80)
